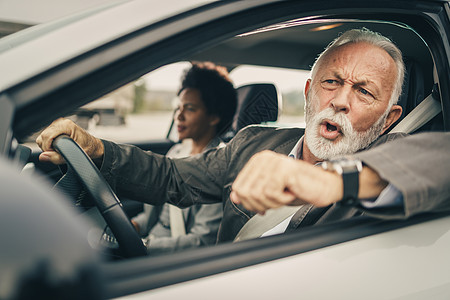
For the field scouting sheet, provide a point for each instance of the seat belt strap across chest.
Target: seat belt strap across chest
(177, 226)
(419, 116)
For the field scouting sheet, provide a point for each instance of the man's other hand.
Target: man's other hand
(271, 180)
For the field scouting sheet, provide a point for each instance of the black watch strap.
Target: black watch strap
(351, 187)
(349, 170)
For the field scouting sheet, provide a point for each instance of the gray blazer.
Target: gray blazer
(207, 177)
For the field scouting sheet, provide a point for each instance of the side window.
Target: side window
(142, 110)
(139, 111)
(290, 83)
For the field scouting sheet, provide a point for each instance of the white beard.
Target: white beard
(351, 140)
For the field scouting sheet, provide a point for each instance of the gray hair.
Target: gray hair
(367, 36)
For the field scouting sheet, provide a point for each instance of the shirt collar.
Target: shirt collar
(297, 151)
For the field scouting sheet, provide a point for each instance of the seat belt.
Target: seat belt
(419, 116)
(176, 221)
(259, 224)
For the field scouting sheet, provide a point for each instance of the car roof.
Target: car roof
(44, 46)
(296, 44)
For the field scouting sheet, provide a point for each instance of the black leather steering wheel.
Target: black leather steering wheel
(103, 196)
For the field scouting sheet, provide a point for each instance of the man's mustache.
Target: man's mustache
(340, 120)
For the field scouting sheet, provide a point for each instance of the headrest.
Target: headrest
(412, 91)
(413, 87)
(257, 103)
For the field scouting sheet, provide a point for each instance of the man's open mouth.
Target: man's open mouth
(331, 127)
(330, 130)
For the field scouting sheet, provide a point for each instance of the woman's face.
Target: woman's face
(191, 118)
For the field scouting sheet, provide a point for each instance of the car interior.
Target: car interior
(291, 44)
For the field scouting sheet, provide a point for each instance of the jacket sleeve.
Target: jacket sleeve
(202, 231)
(156, 179)
(418, 166)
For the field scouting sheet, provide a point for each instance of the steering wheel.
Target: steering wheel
(102, 195)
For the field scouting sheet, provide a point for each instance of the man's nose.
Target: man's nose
(341, 100)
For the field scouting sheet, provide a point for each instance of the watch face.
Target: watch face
(343, 165)
(350, 165)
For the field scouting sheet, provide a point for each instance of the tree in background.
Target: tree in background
(140, 90)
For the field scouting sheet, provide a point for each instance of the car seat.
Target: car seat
(257, 103)
(414, 92)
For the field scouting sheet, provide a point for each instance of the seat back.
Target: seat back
(257, 103)
(414, 92)
(413, 88)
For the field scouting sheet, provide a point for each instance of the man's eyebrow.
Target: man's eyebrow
(360, 83)
(331, 74)
(337, 75)
(366, 82)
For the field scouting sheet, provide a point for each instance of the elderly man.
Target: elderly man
(351, 98)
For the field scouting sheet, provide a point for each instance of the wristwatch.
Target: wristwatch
(349, 169)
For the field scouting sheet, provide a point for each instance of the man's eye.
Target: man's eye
(329, 83)
(365, 92)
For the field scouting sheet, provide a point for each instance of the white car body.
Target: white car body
(339, 272)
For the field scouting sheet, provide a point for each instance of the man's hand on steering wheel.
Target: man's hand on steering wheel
(90, 144)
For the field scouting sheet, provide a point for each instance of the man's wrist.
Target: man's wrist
(371, 184)
(348, 169)
(98, 153)
(99, 149)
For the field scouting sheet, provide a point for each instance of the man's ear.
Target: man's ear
(307, 87)
(393, 116)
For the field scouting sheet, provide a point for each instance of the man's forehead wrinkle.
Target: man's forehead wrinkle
(355, 68)
(354, 77)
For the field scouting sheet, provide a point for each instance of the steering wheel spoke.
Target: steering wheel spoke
(103, 196)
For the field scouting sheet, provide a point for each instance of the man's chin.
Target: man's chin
(326, 149)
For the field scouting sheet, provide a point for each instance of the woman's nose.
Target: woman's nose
(179, 114)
